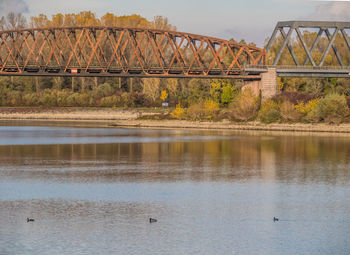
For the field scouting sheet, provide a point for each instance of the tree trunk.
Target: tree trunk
(130, 84)
(37, 84)
(83, 84)
(73, 85)
(96, 83)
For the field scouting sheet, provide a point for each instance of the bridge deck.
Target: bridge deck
(304, 71)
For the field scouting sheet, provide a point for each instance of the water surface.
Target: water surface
(92, 190)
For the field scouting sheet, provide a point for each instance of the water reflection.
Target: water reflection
(222, 158)
(92, 191)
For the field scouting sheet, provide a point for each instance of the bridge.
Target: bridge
(123, 52)
(134, 52)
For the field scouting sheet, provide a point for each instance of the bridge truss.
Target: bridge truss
(319, 56)
(123, 52)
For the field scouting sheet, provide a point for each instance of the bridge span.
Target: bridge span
(135, 52)
(123, 52)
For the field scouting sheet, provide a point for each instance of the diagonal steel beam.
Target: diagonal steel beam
(345, 35)
(329, 47)
(313, 46)
(272, 39)
(285, 42)
(308, 54)
(333, 46)
(289, 47)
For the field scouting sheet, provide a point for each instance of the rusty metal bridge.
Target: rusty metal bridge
(123, 52)
(131, 52)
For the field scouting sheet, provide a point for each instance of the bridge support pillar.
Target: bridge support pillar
(267, 85)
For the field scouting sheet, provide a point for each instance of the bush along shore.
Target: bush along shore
(193, 100)
(288, 107)
(243, 107)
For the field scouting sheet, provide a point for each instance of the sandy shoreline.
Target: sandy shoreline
(129, 118)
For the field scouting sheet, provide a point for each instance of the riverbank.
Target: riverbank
(130, 118)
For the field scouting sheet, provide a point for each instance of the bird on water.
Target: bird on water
(275, 219)
(30, 219)
(151, 220)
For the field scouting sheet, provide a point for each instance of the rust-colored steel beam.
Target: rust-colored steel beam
(129, 52)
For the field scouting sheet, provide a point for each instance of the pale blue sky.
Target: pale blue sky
(252, 20)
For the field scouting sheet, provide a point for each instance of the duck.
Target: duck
(275, 219)
(151, 220)
(30, 219)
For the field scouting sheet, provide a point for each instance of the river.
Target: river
(93, 190)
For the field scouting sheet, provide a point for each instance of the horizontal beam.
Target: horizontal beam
(126, 75)
(313, 75)
(314, 24)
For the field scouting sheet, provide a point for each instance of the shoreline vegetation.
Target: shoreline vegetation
(149, 118)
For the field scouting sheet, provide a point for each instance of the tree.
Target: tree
(15, 21)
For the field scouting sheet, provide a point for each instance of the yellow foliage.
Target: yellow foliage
(211, 106)
(280, 83)
(269, 104)
(178, 113)
(310, 106)
(164, 95)
(88, 18)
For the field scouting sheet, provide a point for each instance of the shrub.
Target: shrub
(294, 97)
(103, 90)
(110, 101)
(333, 108)
(14, 98)
(288, 112)
(139, 99)
(47, 98)
(125, 100)
(269, 112)
(178, 113)
(244, 106)
(30, 99)
(62, 98)
(82, 99)
(196, 111)
(308, 111)
(227, 95)
(211, 108)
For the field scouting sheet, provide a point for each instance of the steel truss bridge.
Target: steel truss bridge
(125, 52)
(133, 52)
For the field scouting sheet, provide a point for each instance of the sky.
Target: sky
(252, 20)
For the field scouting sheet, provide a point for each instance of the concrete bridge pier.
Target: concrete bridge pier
(267, 85)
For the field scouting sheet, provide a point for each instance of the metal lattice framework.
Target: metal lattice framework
(324, 28)
(113, 51)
